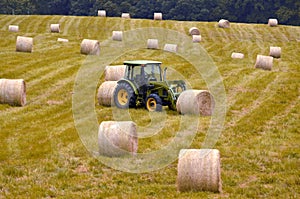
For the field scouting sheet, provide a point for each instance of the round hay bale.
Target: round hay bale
(264, 62)
(13, 28)
(223, 23)
(101, 13)
(194, 31)
(197, 38)
(117, 35)
(275, 52)
(13, 92)
(117, 138)
(90, 47)
(55, 28)
(158, 16)
(24, 44)
(125, 15)
(237, 55)
(152, 44)
(199, 170)
(171, 48)
(114, 73)
(273, 22)
(106, 92)
(199, 102)
(62, 40)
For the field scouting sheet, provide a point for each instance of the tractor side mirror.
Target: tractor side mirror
(165, 74)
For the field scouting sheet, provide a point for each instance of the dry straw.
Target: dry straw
(13, 28)
(152, 44)
(199, 170)
(62, 40)
(114, 73)
(197, 38)
(223, 23)
(106, 92)
(272, 22)
(117, 35)
(275, 52)
(101, 13)
(194, 31)
(13, 92)
(264, 62)
(125, 15)
(55, 28)
(117, 138)
(90, 47)
(199, 102)
(158, 16)
(171, 48)
(237, 55)
(24, 44)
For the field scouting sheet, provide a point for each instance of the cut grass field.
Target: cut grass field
(41, 152)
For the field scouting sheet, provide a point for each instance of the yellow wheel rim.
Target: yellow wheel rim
(122, 97)
(151, 104)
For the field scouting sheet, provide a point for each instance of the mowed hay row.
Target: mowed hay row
(223, 23)
(157, 16)
(114, 73)
(117, 138)
(101, 13)
(117, 35)
(24, 44)
(194, 31)
(90, 47)
(275, 52)
(152, 44)
(197, 38)
(264, 62)
(235, 55)
(272, 22)
(171, 48)
(55, 28)
(13, 28)
(13, 92)
(198, 102)
(199, 170)
(106, 93)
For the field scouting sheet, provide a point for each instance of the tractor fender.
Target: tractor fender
(130, 83)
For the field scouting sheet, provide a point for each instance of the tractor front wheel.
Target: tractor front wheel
(124, 96)
(153, 103)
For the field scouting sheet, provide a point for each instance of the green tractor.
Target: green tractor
(145, 85)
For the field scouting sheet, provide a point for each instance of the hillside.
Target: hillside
(42, 154)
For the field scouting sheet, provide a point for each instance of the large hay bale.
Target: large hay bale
(199, 170)
(13, 92)
(237, 55)
(199, 102)
(13, 28)
(171, 48)
(158, 16)
(264, 62)
(197, 38)
(106, 93)
(101, 13)
(272, 22)
(90, 47)
(117, 35)
(223, 23)
(275, 52)
(24, 44)
(55, 28)
(152, 44)
(125, 15)
(114, 73)
(117, 138)
(194, 31)
(62, 40)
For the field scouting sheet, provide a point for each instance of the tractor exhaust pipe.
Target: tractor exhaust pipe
(165, 74)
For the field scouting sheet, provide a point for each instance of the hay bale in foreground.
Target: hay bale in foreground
(13, 92)
(197, 38)
(90, 47)
(24, 44)
(199, 102)
(152, 44)
(101, 13)
(264, 62)
(237, 55)
(199, 170)
(125, 15)
(117, 35)
(275, 52)
(272, 22)
(106, 93)
(62, 40)
(13, 28)
(223, 23)
(157, 16)
(194, 31)
(117, 138)
(55, 28)
(171, 48)
(114, 73)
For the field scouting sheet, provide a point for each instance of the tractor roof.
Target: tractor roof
(141, 62)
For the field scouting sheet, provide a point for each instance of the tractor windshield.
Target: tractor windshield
(153, 72)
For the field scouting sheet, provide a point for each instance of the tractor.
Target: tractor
(144, 84)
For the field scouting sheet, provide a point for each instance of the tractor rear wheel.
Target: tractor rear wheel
(124, 96)
(153, 103)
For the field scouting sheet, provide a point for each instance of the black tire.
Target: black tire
(153, 103)
(124, 96)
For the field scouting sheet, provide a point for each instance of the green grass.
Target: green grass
(41, 152)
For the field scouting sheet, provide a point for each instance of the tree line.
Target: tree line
(247, 11)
